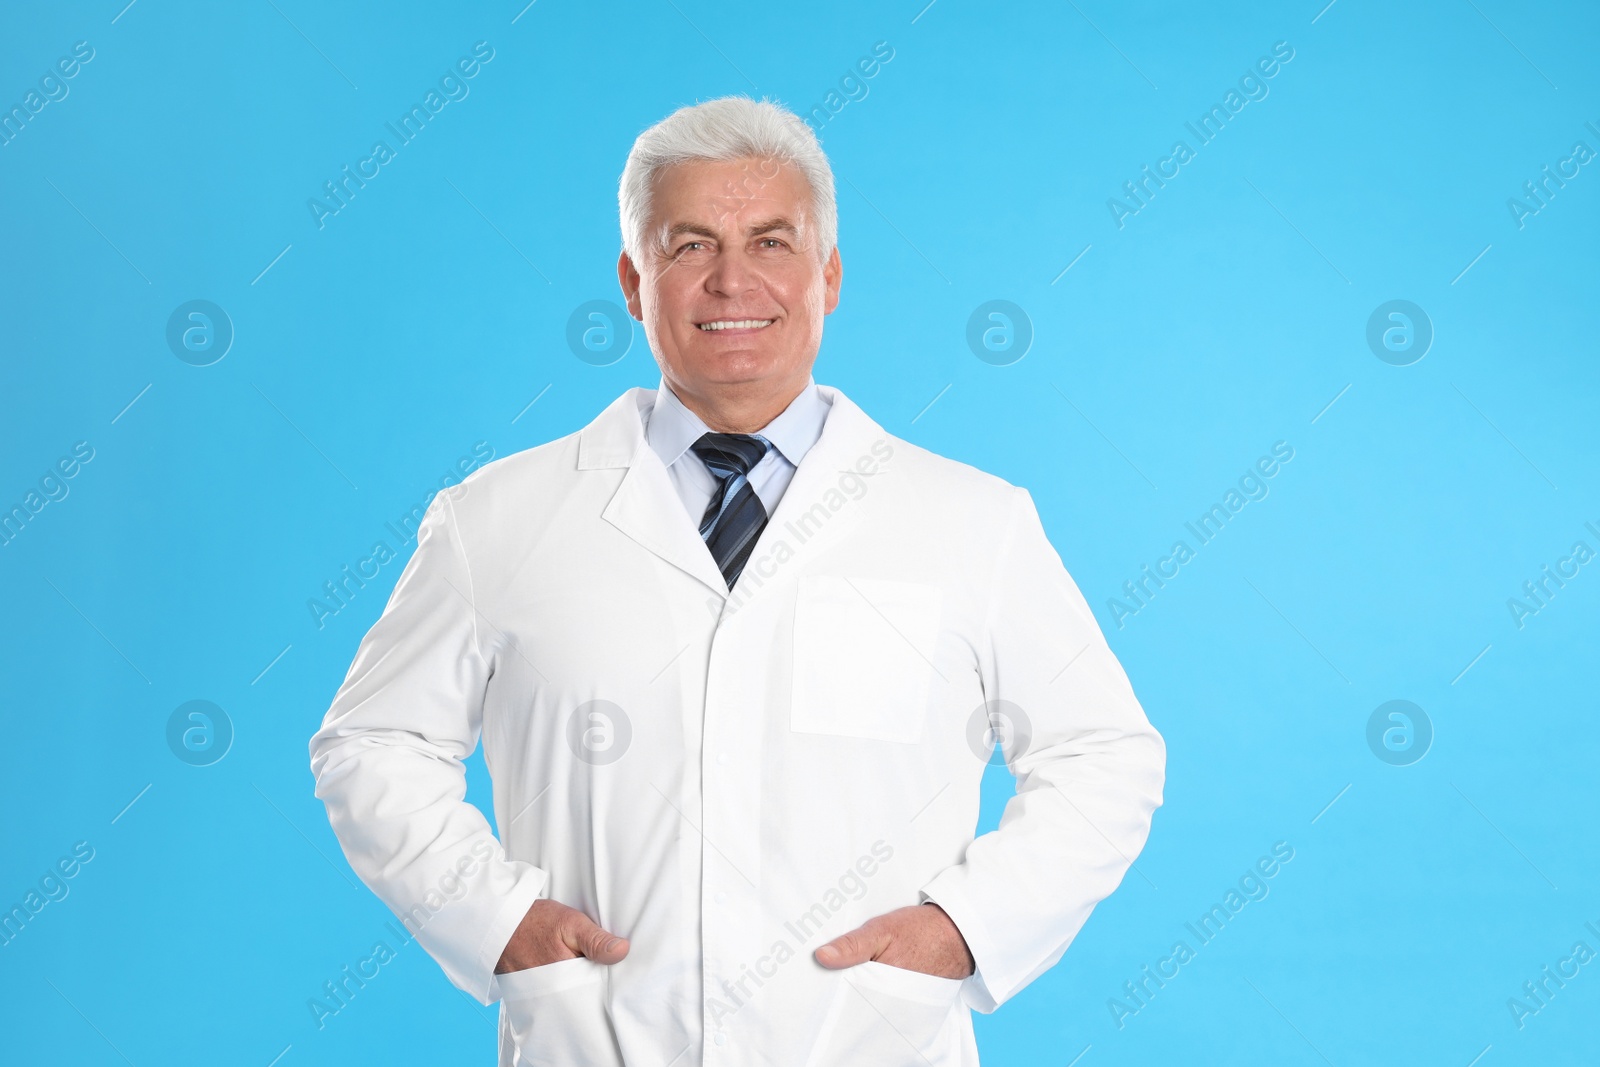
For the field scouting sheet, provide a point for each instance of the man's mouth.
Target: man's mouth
(735, 324)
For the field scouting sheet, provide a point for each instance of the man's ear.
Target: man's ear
(832, 278)
(628, 278)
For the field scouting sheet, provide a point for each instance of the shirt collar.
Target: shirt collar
(671, 427)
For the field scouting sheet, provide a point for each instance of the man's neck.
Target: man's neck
(742, 408)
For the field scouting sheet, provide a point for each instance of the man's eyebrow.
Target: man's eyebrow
(680, 228)
(777, 222)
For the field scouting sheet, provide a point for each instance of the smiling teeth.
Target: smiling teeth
(736, 324)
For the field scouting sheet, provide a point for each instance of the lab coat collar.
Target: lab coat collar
(673, 428)
(815, 510)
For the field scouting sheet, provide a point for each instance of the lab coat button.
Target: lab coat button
(722, 759)
(721, 1038)
(722, 897)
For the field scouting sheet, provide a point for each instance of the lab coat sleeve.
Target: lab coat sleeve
(388, 766)
(1089, 769)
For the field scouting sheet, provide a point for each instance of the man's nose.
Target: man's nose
(732, 274)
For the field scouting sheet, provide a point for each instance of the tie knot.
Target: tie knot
(727, 454)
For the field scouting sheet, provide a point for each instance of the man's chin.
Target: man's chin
(735, 366)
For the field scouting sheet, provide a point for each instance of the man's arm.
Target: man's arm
(1088, 776)
(388, 765)
(1089, 772)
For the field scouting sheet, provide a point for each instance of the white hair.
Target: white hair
(729, 128)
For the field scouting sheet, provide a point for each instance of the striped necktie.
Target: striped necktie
(735, 516)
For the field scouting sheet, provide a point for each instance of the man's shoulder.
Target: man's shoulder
(942, 480)
(937, 478)
(537, 461)
(604, 441)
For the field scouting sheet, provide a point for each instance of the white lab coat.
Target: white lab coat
(730, 780)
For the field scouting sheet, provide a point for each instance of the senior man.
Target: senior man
(738, 657)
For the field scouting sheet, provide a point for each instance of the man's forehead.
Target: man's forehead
(749, 225)
(747, 168)
(744, 193)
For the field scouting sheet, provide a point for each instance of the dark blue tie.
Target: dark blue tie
(735, 516)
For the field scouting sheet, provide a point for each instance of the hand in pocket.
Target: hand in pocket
(917, 938)
(551, 932)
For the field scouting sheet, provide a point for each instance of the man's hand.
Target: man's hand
(552, 932)
(917, 938)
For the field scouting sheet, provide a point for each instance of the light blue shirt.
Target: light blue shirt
(670, 428)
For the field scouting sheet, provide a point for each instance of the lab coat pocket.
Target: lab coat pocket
(557, 1014)
(863, 656)
(890, 1016)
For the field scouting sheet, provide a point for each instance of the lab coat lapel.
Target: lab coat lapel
(816, 512)
(645, 505)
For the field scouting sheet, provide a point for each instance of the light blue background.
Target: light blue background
(1225, 316)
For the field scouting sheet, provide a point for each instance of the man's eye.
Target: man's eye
(771, 242)
(687, 245)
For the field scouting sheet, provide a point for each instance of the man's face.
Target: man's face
(730, 243)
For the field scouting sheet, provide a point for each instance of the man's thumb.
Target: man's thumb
(849, 949)
(585, 938)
